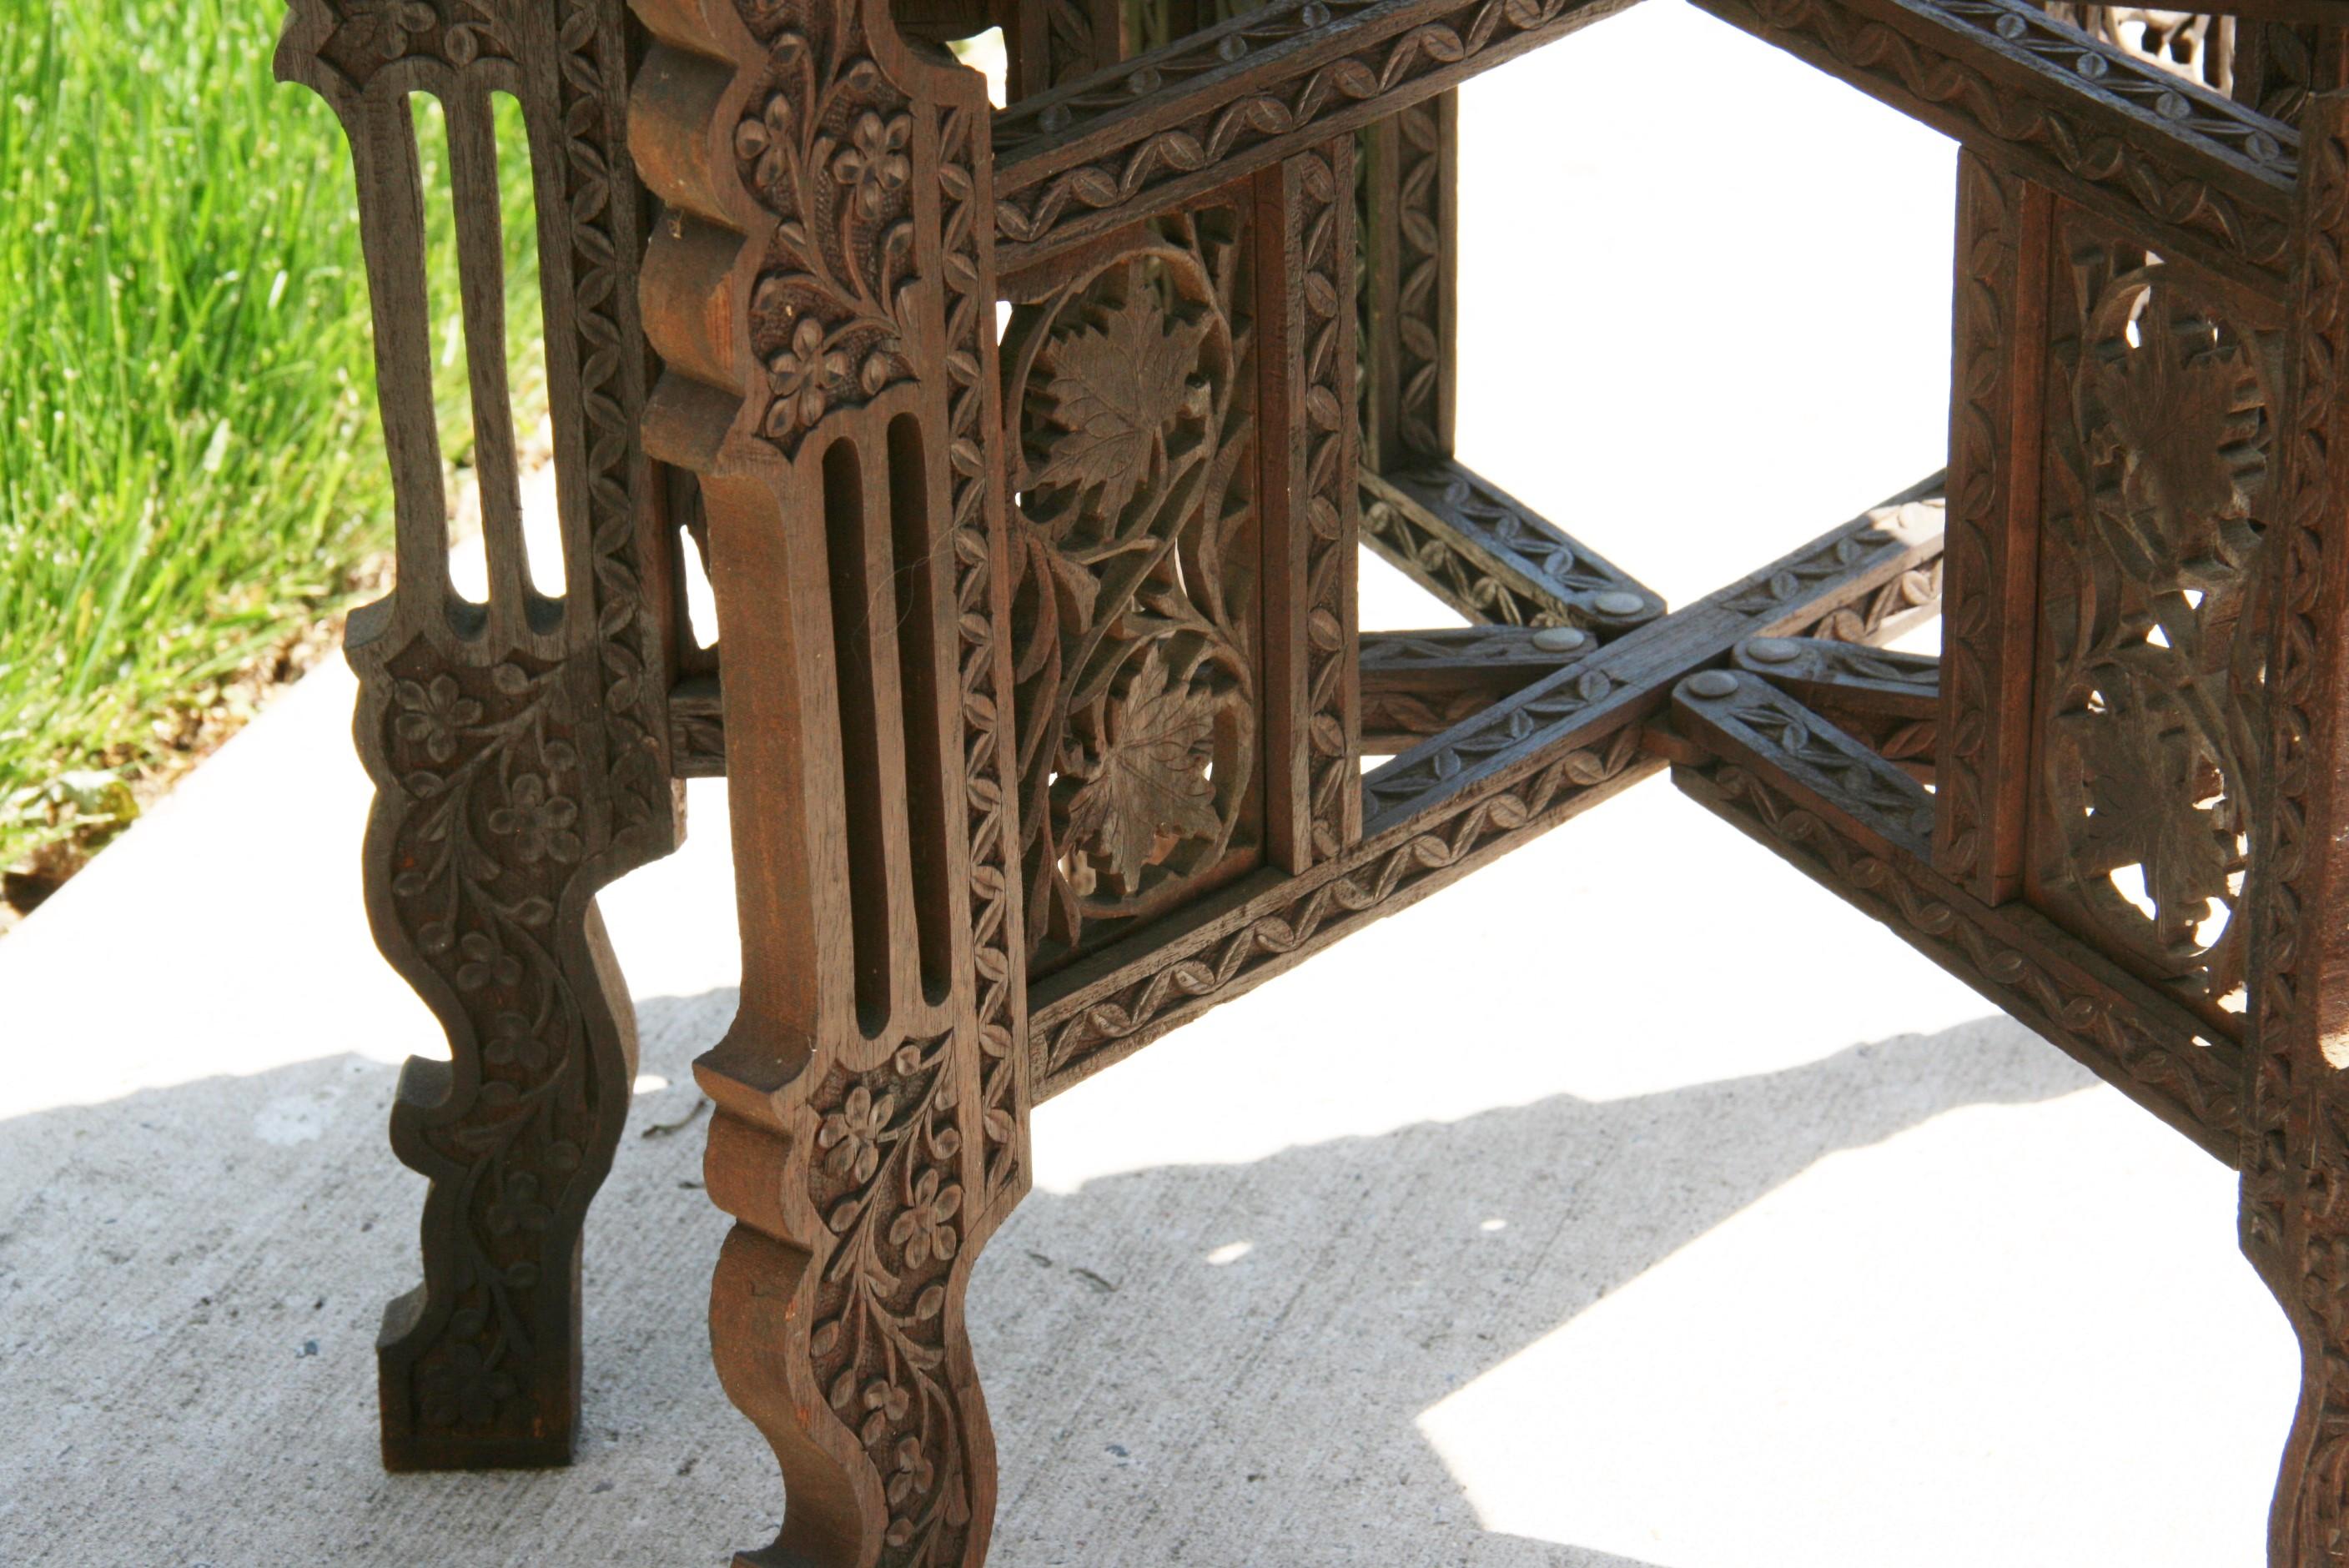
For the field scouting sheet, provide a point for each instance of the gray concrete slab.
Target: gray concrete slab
(1631, 1204)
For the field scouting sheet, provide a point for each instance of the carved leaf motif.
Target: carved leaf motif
(1114, 389)
(1152, 774)
(2171, 420)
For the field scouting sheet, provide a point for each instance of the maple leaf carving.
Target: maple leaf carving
(2170, 420)
(1113, 390)
(1151, 775)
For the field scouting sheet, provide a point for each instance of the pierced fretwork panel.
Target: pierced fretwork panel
(1131, 397)
(2159, 424)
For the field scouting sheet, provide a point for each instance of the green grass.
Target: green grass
(190, 463)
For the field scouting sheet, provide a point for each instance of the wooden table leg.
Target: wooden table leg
(518, 746)
(822, 295)
(2295, 1189)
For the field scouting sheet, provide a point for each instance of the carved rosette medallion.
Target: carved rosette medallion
(1135, 570)
(2152, 654)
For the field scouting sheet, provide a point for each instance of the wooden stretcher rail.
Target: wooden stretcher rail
(1169, 125)
(1859, 826)
(1409, 680)
(1482, 790)
(2196, 174)
(1865, 581)
(1415, 685)
(1493, 558)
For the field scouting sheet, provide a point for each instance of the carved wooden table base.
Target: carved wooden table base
(1029, 452)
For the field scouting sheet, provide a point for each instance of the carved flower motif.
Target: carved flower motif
(538, 822)
(517, 1207)
(914, 1476)
(514, 1044)
(484, 960)
(462, 1389)
(766, 141)
(433, 716)
(874, 166)
(806, 375)
(924, 1230)
(853, 1134)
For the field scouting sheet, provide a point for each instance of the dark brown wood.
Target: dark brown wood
(1862, 827)
(1412, 684)
(1491, 558)
(2147, 712)
(1870, 578)
(1419, 684)
(1041, 687)
(1465, 797)
(519, 748)
(1888, 702)
(820, 295)
(1410, 267)
(1998, 363)
(2295, 1146)
(1236, 96)
(2196, 174)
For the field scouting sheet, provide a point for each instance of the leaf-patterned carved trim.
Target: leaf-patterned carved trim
(606, 239)
(1160, 127)
(2143, 1044)
(2295, 1144)
(982, 603)
(1491, 558)
(2200, 175)
(367, 35)
(1077, 1034)
(1318, 198)
(1863, 580)
(2002, 274)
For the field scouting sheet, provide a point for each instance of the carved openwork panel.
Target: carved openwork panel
(1132, 404)
(2159, 411)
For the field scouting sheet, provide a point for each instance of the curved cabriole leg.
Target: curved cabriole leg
(518, 747)
(2295, 1195)
(820, 293)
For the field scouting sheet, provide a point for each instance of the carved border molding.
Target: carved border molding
(2201, 176)
(2000, 323)
(1491, 557)
(2295, 1142)
(1236, 96)
(1077, 1036)
(1858, 825)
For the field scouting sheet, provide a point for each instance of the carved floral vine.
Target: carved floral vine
(2153, 657)
(479, 866)
(824, 146)
(1132, 406)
